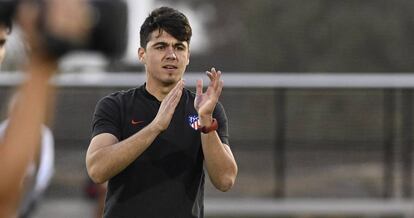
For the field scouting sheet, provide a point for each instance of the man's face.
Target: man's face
(165, 58)
(3, 37)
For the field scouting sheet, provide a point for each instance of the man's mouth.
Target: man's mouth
(169, 67)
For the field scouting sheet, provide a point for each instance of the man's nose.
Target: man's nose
(171, 53)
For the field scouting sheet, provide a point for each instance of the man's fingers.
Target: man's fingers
(217, 80)
(176, 98)
(172, 103)
(178, 86)
(177, 90)
(210, 75)
(199, 87)
(216, 84)
(219, 88)
(169, 101)
(169, 104)
(214, 77)
(213, 70)
(218, 74)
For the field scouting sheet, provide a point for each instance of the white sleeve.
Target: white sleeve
(3, 126)
(46, 166)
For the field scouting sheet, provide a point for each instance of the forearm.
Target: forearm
(219, 161)
(21, 140)
(107, 161)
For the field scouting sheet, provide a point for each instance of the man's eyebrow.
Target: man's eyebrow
(166, 44)
(179, 44)
(159, 43)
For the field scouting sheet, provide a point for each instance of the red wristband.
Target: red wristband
(212, 127)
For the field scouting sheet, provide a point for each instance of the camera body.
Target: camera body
(107, 35)
(7, 9)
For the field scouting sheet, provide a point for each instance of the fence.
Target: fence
(345, 126)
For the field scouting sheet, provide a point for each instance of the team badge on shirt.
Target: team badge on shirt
(193, 121)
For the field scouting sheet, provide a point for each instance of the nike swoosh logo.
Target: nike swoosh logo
(133, 122)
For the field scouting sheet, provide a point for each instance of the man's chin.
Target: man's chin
(171, 80)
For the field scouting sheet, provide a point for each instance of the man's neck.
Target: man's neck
(159, 91)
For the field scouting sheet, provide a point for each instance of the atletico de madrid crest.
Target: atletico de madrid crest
(193, 121)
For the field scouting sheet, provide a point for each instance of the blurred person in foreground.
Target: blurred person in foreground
(39, 172)
(151, 142)
(20, 144)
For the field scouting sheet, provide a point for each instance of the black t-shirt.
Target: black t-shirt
(167, 179)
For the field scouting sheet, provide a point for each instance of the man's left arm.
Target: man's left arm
(219, 160)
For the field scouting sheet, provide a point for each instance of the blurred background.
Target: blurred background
(304, 150)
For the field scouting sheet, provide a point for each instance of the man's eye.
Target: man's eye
(160, 47)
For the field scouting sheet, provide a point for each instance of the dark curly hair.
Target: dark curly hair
(166, 19)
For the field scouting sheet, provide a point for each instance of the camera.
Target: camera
(107, 35)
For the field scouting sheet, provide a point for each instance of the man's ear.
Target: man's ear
(141, 55)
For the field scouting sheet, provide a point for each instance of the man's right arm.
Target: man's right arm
(107, 156)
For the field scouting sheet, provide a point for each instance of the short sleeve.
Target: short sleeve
(221, 118)
(106, 118)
